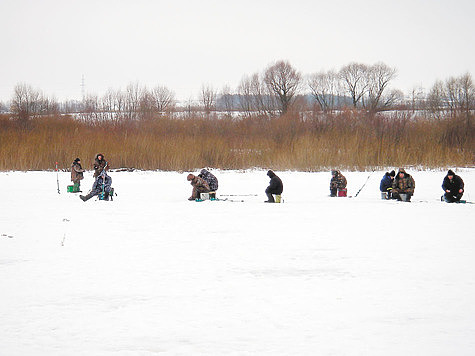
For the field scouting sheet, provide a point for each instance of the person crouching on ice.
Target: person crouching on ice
(210, 179)
(275, 187)
(102, 184)
(337, 183)
(453, 187)
(403, 186)
(199, 186)
(386, 184)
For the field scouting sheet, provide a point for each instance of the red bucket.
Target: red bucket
(342, 193)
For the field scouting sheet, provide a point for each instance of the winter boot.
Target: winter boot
(270, 198)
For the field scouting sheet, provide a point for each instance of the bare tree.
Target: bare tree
(25, 102)
(378, 78)
(284, 82)
(416, 98)
(436, 97)
(245, 94)
(355, 78)
(133, 96)
(325, 88)
(460, 92)
(163, 99)
(392, 98)
(208, 98)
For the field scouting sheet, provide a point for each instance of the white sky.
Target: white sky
(50, 44)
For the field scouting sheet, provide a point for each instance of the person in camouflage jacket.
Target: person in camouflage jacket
(338, 182)
(199, 186)
(210, 179)
(100, 164)
(403, 184)
(77, 173)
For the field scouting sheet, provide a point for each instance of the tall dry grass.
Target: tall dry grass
(348, 140)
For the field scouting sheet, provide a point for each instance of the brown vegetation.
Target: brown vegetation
(349, 139)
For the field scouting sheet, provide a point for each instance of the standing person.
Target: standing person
(210, 179)
(403, 186)
(199, 186)
(386, 184)
(77, 175)
(453, 187)
(275, 187)
(100, 164)
(338, 184)
(102, 183)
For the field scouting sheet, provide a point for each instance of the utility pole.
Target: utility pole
(82, 88)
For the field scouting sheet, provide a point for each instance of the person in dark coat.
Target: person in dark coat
(275, 187)
(210, 179)
(97, 187)
(199, 186)
(338, 182)
(100, 164)
(403, 184)
(386, 184)
(453, 187)
(77, 174)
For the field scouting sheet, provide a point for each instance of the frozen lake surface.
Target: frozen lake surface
(154, 274)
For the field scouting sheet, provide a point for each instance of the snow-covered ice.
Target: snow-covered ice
(154, 274)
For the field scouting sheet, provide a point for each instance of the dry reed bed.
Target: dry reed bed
(348, 140)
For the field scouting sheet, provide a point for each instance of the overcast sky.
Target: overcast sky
(50, 44)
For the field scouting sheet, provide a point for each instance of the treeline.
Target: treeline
(277, 89)
(350, 139)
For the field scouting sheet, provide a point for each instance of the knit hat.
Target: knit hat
(270, 173)
(392, 173)
(450, 173)
(190, 177)
(77, 160)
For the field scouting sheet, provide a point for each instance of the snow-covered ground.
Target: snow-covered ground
(154, 274)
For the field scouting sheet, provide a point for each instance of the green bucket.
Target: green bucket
(70, 189)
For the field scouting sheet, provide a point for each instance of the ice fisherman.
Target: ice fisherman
(453, 187)
(337, 184)
(403, 186)
(210, 178)
(100, 164)
(199, 186)
(275, 187)
(102, 183)
(77, 174)
(386, 184)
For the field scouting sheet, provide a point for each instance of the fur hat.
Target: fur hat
(190, 177)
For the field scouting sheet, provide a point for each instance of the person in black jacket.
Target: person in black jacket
(453, 187)
(275, 187)
(386, 184)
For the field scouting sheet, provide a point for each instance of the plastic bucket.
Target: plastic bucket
(70, 188)
(404, 197)
(342, 193)
(277, 198)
